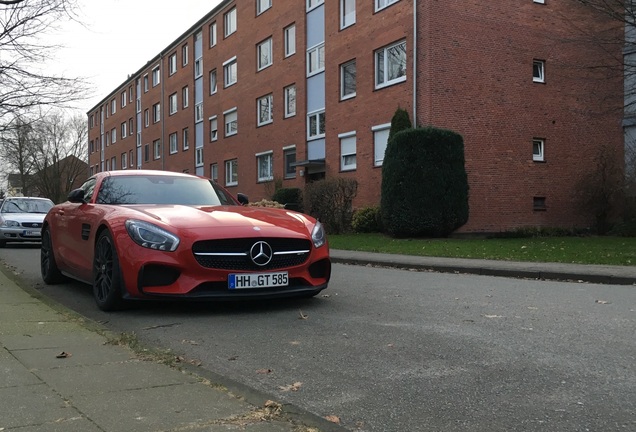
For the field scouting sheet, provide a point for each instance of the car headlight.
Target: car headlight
(318, 235)
(10, 224)
(151, 236)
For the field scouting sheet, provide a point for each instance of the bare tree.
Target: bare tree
(17, 149)
(24, 82)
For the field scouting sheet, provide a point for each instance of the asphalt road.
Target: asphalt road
(394, 350)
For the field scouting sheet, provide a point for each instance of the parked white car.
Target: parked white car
(21, 219)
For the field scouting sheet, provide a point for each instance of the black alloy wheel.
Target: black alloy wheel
(51, 274)
(107, 281)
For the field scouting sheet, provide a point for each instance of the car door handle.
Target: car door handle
(60, 212)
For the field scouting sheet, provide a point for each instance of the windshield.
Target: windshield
(27, 205)
(156, 189)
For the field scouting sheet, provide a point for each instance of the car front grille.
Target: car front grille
(31, 224)
(234, 254)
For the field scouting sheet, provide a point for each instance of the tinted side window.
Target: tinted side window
(89, 187)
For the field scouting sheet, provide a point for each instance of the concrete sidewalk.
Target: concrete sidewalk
(62, 372)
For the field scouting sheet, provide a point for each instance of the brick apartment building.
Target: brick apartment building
(300, 90)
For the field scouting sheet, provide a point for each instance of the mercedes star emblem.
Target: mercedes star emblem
(261, 253)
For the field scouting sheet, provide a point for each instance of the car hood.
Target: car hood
(24, 217)
(237, 219)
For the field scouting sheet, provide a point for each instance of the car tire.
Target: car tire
(51, 274)
(107, 280)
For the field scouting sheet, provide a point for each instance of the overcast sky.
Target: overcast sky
(119, 37)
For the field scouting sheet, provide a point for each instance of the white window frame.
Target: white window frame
(265, 110)
(288, 109)
(172, 64)
(264, 48)
(229, 22)
(214, 128)
(378, 151)
(382, 4)
(385, 64)
(156, 146)
(198, 67)
(230, 117)
(290, 40)
(288, 174)
(123, 99)
(173, 103)
(184, 55)
(113, 135)
(317, 115)
(156, 113)
(185, 138)
(198, 156)
(156, 76)
(198, 112)
(213, 86)
(313, 4)
(316, 59)
(231, 172)
(349, 19)
(214, 172)
(539, 1)
(212, 29)
(147, 117)
(185, 97)
(268, 173)
(124, 126)
(230, 72)
(348, 148)
(262, 6)
(113, 163)
(540, 143)
(174, 143)
(131, 158)
(124, 160)
(145, 83)
(113, 105)
(538, 76)
(343, 68)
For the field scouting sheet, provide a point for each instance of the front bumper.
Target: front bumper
(20, 234)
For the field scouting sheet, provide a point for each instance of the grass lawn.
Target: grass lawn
(580, 250)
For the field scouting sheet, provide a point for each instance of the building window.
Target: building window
(262, 6)
(198, 156)
(380, 138)
(186, 139)
(214, 172)
(537, 150)
(311, 4)
(198, 112)
(265, 166)
(213, 85)
(113, 163)
(230, 22)
(156, 76)
(146, 153)
(230, 72)
(172, 64)
(212, 34)
(124, 160)
(264, 54)
(231, 172)
(347, 151)
(538, 71)
(381, 4)
(146, 117)
(347, 13)
(123, 99)
(390, 65)
(145, 83)
(214, 129)
(156, 113)
(173, 103)
(185, 99)
(348, 80)
(290, 40)
(91, 146)
(265, 110)
(173, 143)
(184, 55)
(113, 135)
(231, 122)
(198, 67)
(538, 204)
(113, 105)
(290, 101)
(156, 145)
(539, 1)
(131, 159)
(316, 59)
(123, 130)
(316, 125)
(131, 129)
(130, 94)
(289, 157)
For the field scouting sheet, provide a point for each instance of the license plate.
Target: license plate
(31, 233)
(257, 280)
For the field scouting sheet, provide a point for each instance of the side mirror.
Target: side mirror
(77, 196)
(242, 198)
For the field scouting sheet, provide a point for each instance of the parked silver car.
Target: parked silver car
(21, 219)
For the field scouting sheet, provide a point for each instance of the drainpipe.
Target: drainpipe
(415, 63)
(163, 114)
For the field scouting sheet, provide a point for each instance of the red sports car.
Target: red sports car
(160, 235)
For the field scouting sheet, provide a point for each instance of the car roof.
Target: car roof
(119, 173)
(30, 198)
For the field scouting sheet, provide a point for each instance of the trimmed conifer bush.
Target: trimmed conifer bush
(399, 122)
(424, 183)
(291, 197)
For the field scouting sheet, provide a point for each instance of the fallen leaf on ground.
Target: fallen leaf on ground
(602, 302)
(302, 315)
(291, 387)
(233, 358)
(264, 371)
(63, 354)
(191, 342)
(494, 316)
(333, 419)
(294, 343)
